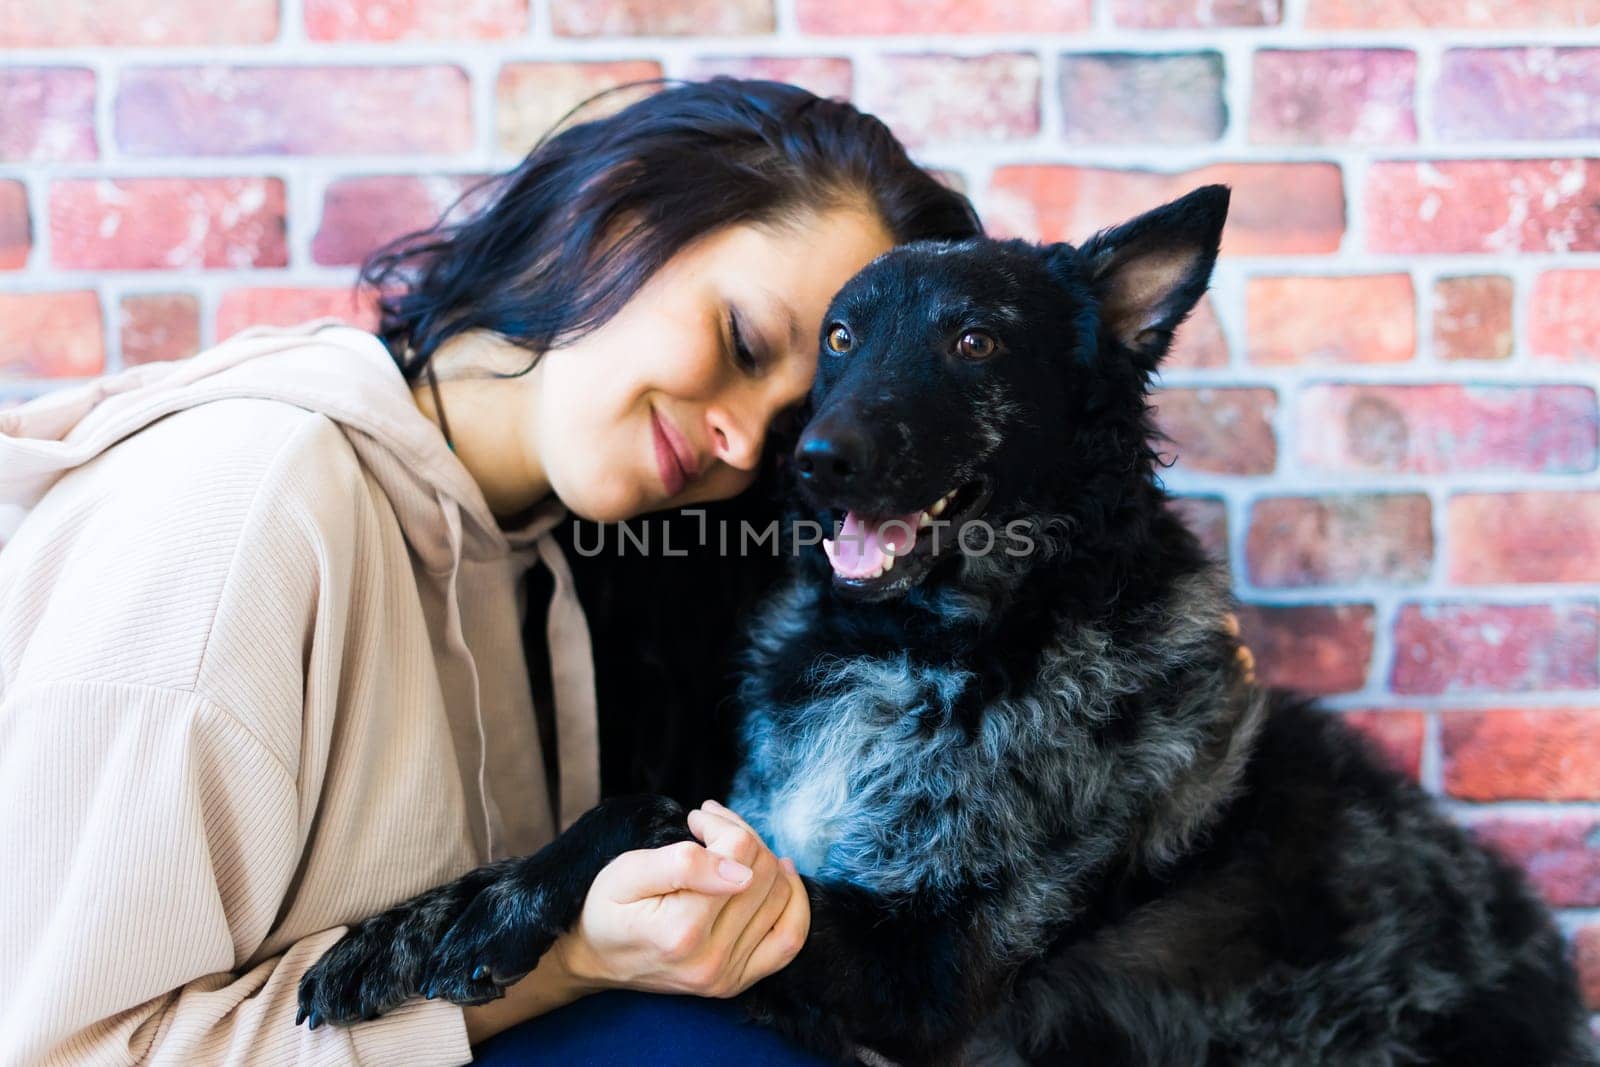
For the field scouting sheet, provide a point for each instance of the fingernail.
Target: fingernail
(712, 804)
(788, 864)
(735, 872)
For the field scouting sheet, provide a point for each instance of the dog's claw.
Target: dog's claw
(300, 1015)
(316, 1019)
(480, 972)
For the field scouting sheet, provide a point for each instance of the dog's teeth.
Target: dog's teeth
(827, 546)
(939, 506)
(888, 564)
(924, 520)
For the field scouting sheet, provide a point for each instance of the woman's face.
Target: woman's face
(659, 408)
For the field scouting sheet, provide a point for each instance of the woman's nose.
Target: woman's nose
(732, 443)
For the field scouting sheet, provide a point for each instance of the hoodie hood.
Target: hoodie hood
(324, 366)
(348, 376)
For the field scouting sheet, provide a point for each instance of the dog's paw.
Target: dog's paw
(366, 973)
(499, 939)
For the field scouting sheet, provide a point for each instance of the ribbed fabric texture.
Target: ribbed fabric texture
(238, 709)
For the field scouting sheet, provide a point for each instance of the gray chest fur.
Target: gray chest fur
(874, 780)
(863, 782)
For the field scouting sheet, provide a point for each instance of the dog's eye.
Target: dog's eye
(839, 339)
(975, 344)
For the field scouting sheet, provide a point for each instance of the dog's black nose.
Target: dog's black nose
(833, 457)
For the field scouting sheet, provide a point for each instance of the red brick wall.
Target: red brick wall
(1385, 414)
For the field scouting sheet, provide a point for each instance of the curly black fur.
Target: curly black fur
(1042, 815)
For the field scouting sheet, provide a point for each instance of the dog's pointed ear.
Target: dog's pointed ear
(1148, 273)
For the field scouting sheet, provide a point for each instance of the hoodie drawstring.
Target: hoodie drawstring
(572, 681)
(457, 642)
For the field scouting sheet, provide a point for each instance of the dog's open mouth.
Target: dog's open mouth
(890, 553)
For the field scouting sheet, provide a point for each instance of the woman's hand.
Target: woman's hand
(707, 919)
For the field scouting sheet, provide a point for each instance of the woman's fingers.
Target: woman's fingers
(730, 837)
(749, 919)
(655, 872)
(735, 839)
(757, 929)
(727, 813)
(787, 936)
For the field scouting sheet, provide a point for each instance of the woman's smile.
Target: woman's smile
(675, 459)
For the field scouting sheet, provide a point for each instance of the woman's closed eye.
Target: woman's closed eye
(746, 360)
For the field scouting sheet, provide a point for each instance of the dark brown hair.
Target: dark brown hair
(595, 208)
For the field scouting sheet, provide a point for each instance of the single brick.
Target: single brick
(167, 223)
(930, 98)
(1524, 537)
(1480, 14)
(1558, 851)
(1195, 14)
(1334, 96)
(1586, 953)
(1434, 429)
(80, 23)
(1351, 319)
(1330, 540)
(1495, 648)
(1483, 205)
(49, 115)
(1518, 94)
(1199, 342)
(1522, 754)
(159, 326)
(16, 233)
(413, 20)
(247, 111)
(660, 18)
(1226, 431)
(243, 308)
(1564, 316)
(51, 335)
(1472, 317)
(1138, 98)
(827, 76)
(1396, 733)
(1276, 209)
(1207, 516)
(360, 214)
(942, 16)
(1310, 648)
(530, 98)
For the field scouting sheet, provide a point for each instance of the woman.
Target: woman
(260, 670)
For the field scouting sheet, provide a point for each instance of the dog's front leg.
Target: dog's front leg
(379, 961)
(894, 975)
(520, 912)
(491, 924)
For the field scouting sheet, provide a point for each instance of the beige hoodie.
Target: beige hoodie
(261, 675)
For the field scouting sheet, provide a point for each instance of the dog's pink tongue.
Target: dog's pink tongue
(864, 544)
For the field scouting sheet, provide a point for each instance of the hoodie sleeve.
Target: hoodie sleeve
(194, 783)
(175, 840)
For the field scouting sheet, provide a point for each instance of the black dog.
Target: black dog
(1043, 816)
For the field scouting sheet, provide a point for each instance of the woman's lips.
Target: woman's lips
(673, 474)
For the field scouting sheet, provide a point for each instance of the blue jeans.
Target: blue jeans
(620, 1028)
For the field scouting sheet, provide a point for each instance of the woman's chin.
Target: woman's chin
(612, 507)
